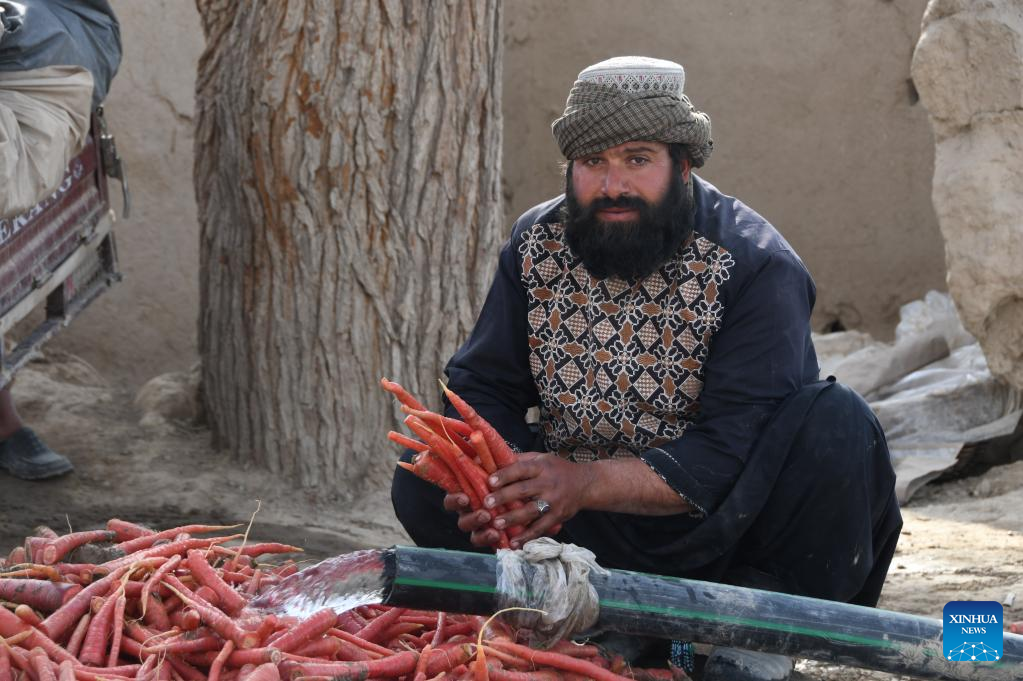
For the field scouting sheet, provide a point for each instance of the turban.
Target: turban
(631, 99)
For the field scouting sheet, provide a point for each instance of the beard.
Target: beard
(629, 250)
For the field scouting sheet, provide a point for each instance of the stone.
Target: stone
(968, 70)
(172, 397)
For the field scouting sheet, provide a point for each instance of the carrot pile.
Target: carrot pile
(167, 606)
(457, 456)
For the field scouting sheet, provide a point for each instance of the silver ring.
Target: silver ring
(542, 506)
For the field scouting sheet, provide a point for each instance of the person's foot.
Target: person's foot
(25, 456)
(733, 664)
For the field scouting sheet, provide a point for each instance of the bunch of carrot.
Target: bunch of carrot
(171, 607)
(457, 456)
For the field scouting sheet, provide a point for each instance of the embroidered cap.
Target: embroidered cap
(631, 98)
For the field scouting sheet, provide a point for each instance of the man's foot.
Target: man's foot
(25, 456)
(733, 664)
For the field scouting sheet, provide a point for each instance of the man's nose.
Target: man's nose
(615, 183)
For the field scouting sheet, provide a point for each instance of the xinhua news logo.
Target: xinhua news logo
(972, 631)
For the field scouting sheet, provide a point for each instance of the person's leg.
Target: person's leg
(419, 507)
(22, 453)
(830, 525)
(10, 422)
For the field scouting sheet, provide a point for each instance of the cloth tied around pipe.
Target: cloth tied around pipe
(553, 577)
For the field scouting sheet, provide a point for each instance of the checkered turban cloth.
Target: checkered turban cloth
(600, 115)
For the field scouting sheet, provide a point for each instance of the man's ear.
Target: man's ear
(687, 166)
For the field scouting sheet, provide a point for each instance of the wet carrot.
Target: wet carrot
(320, 649)
(356, 640)
(310, 628)
(185, 670)
(17, 556)
(452, 457)
(446, 658)
(219, 661)
(155, 579)
(253, 550)
(231, 601)
(394, 666)
(499, 674)
(442, 425)
(219, 622)
(375, 630)
(56, 549)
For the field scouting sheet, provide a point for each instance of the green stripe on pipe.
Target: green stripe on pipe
(760, 624)
(453, 586)
(672, 612)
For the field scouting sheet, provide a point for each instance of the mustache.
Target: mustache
(625, 202)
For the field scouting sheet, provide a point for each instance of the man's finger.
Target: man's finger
(456, 502)
(470, 522)
(520, 470)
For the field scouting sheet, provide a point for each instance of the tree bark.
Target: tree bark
(347, 173)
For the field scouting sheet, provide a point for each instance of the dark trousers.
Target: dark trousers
(814, 513)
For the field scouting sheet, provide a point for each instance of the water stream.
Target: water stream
(340, 583)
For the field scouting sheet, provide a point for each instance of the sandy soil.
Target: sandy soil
(962, 540)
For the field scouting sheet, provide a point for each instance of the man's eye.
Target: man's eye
(639, 160)
(590, 162)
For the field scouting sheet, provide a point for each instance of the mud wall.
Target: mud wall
(815, 122)
(816, 126)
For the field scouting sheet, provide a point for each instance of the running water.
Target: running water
(340, 583)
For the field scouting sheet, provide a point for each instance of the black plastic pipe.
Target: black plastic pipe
(689, 610)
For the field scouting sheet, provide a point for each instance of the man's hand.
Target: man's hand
(534, 476)
(619, 485)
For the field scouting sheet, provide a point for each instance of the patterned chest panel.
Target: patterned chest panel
(619, 367)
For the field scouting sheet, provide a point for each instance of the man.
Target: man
(662, 328)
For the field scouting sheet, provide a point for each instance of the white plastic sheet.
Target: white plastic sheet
(930, 389)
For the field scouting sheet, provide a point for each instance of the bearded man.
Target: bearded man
(662, 329)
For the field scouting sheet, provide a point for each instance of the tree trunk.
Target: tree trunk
(347, 173)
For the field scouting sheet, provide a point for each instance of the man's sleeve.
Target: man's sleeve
(491, 370)
(761, 354)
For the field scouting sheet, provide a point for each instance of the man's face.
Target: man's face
(627, 211)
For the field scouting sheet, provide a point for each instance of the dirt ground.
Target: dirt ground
(962, 540)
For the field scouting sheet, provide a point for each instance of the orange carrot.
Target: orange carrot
(453, 457)
(155, 579)
(446, 658)
(406, 441)
(355, 639)
(394, 666)
(5, 665)
(375, 630)
(146, 541)
(66, 671)
(252, 550)
(219, 622)
(123, 530)
(94, 647)
(42, 665)
(116, 628)
(502, 453)
(74, 644)
(482, 451)
(264, 672)
(558, 661)
(10, 626)
(55, 549)
(442, 425)
(180, 546)
(220, 660)
(308, 629)
(231, 601)
(403, 395)
(27, 615)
